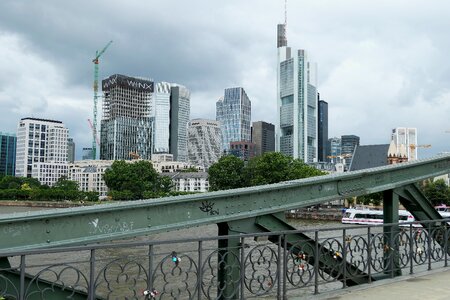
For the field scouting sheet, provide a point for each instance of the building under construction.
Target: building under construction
(126, 124)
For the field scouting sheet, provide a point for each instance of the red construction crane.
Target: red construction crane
(94, 132)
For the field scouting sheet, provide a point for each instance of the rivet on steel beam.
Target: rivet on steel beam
(48, 241)
(47, 221)
(48, 231)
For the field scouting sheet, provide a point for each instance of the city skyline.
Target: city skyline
(377, 61)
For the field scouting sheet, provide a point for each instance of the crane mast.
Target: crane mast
(94, 131)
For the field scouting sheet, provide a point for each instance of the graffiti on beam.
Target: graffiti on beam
(208, 207)
(96, 227)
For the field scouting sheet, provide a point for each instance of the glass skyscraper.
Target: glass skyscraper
(126, 125)
(233, 111)
(297, 113)
(7, 153)
(322, 130)
(160, 113)
(180, 113)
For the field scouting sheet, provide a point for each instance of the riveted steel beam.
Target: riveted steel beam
(105, 222)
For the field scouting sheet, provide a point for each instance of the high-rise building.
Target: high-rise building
(263, 136)
(296, 126)
(87, 153)
(233, 111)
(205, 142)
(126, 125)
(348, 145)
(180, 113)
(41, 150)
(242, 150)
(322, 130)
(70, 150)
(408, 138)
(170, 112)
(334, 152)
(7, 153)
(160, 113)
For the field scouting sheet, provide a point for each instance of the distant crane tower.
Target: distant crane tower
(94, 130)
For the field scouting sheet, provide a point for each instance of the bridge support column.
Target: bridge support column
(391, 232)
(229, 272)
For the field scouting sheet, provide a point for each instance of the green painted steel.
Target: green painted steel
(135, 218)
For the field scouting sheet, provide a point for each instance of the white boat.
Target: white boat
(367, 216)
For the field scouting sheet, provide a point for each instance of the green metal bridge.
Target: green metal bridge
(241, 211)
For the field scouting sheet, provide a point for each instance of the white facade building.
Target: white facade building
(89, 175)
(205, 142)
(408, 138)
(190, 182)
(42, 150)
(296, 132)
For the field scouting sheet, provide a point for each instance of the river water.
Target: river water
(114, 284)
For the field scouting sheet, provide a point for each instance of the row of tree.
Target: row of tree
(24, 188)
(231, 172)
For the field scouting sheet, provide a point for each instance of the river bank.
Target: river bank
(44, 204)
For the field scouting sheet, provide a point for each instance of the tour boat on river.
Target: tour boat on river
(366, 216)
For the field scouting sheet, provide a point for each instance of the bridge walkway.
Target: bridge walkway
(430, 285)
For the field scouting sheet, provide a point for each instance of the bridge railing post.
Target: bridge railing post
(316, 262)
(22, 278)
(242, 268)
(285, 258)
(430, 233)
(91, 294)
(369, 254)
(150, 268)
(279, 273)
(446, 245)
(411, 250)
(200, 270)
(344, 258)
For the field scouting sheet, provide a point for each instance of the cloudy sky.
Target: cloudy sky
(381, 64)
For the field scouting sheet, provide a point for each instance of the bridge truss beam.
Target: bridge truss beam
(63, 227)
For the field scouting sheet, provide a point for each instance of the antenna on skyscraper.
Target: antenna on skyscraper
(285, 12)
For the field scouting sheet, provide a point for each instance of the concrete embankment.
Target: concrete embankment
(332, 214)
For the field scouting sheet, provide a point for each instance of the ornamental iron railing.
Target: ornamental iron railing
(199, 269)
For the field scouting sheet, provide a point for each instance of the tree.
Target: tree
(131, 180)
(273, 167)
(226, 174)
(437, 192)
(65, 184)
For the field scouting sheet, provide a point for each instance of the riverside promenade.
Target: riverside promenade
(431, 285)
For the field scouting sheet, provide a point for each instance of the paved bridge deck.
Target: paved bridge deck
(432, 285)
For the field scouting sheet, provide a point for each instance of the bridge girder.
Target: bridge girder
(72, 226)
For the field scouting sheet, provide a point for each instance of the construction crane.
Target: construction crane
(94, 131)
(414, 146)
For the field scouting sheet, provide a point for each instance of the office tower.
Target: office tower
(242, 150)
(204, 142)
(180, 113)
(322, 130)
(126, 127)
(160, 113)
(86, 153)
(334, 151)
(70, 150)
(263, 136)
(408, 138)
(41, 150)
(348, 145)
(233, 111)
(7, 153)
(296, 125)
